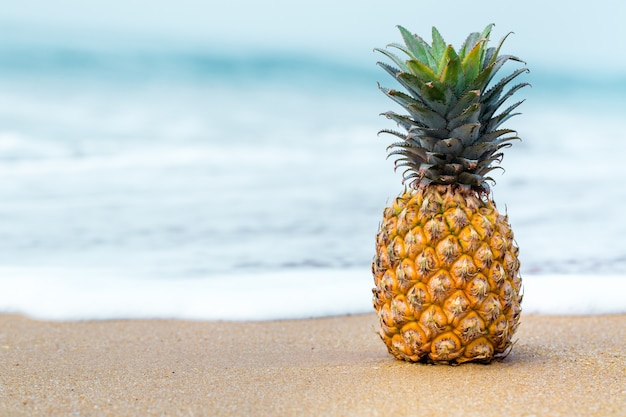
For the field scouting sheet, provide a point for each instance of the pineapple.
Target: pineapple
(446, 269)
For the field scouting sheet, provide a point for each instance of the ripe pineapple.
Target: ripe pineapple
(446, 267)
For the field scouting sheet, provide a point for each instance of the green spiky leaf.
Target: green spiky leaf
(467, 133)
(450, 146)
(403, 121)
(469, 44)
(416, 45)
(426, 116)
(399, 97)
(496, 121)
(421, 70)
(453, 134)
(494, 92)
(471, 62)
(438, 48)
(437, 96)
(401, 63)
(452, 72)
(470, 115)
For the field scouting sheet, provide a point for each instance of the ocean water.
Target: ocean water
(185, 182)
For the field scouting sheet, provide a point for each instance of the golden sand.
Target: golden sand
(560, 366)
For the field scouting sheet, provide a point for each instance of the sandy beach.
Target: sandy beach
(560, 366)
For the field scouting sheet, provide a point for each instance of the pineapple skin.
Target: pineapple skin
(446, 273)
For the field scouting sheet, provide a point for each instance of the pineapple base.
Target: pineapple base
(446, 274)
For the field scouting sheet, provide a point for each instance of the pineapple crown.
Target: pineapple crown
(452, 130)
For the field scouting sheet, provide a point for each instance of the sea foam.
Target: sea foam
(84, 294)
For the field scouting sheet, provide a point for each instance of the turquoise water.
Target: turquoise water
(170, 162)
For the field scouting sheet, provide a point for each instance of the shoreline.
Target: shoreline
(335, 366)
(65, 295)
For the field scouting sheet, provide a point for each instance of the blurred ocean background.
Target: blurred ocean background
(223, 162)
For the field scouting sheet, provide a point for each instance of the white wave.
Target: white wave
(89, 294)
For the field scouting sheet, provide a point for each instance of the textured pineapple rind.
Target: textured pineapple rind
(446, 272)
